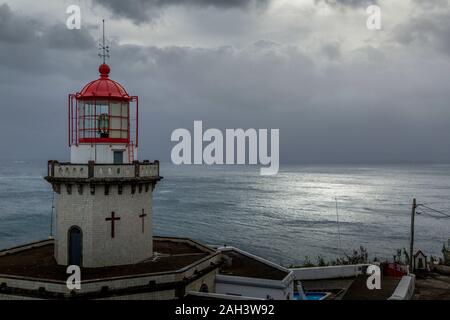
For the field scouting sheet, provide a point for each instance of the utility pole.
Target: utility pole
(411, 245)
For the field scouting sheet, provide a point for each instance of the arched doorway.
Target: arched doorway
(75, 246)
(204, 288)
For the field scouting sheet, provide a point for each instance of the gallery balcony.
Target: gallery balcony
(136, 172)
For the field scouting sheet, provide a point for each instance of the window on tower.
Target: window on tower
(103, 120)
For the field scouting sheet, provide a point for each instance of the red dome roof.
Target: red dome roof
(103, 87)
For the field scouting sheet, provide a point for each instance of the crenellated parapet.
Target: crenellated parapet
(92, 173)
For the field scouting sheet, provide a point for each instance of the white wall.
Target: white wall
(330, 272)
(88, 212)
(100, 153)
(405, 288)
(221, 296)
(256, 288)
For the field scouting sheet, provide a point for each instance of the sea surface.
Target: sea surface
(284, 218)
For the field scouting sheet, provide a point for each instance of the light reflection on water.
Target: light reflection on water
(284, 217)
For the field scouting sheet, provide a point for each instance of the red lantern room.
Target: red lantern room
(103, 122)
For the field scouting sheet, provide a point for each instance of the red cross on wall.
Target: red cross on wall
(113, 218)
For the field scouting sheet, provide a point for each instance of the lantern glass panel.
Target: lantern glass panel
(116, 108)
(103, 119)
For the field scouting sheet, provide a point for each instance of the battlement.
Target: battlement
(92, 172)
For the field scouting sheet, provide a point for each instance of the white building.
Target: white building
(420, 261)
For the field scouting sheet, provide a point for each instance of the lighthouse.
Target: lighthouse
(103, 222)
(103, 196)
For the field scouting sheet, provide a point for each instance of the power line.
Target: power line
(435, 210)
(433, 216)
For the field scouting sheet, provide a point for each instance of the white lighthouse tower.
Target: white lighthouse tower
(103, 195)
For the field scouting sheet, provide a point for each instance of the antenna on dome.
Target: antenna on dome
(103, 48)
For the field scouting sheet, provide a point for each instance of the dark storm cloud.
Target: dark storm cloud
(39, 65)
(429, 4)
(26, 45)
(364, 110)
(59, 38)
(431, 30)
(145, 10)
(370, 105)
(16, 29)
(331, 50)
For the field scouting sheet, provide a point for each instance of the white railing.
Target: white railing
(103, 171)
(114, 171)
(71, 171)
(330, 272)
(148, 170)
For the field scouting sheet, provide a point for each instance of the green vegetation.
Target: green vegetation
(358, 256)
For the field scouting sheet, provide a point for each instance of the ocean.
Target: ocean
(284, 218)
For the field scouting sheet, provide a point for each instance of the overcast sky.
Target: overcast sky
(337, 91)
